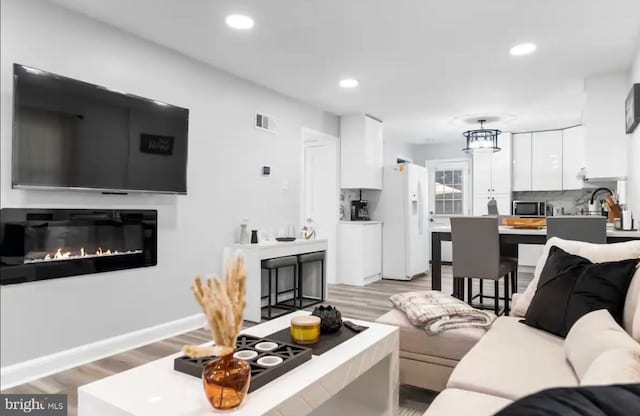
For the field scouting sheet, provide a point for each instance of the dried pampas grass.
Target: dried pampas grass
(223, 305)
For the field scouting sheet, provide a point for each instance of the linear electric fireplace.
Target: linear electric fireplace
(40, 244)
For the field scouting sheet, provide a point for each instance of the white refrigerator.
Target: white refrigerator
(405, 231)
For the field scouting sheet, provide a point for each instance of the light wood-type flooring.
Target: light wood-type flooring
(366, 303)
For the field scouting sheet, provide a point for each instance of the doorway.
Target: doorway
(449, 194)
(321, 191)
(450, 188)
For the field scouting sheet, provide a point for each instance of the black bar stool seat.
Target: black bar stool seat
(306, 301)
(279, 262)
(276, 264)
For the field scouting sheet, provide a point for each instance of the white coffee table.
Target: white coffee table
(357, 377)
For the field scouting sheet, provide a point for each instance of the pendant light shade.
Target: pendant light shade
(484, 140)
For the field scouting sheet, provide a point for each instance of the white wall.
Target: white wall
(633, 185)
(447, 150)
(392, 149)
(224, 178)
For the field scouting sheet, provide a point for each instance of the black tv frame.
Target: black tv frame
(115, 191)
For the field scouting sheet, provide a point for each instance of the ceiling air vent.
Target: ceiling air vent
(265, 123)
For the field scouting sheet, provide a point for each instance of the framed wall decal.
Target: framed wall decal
(632, 108)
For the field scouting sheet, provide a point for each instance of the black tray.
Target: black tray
(327, 341)
(293, 355)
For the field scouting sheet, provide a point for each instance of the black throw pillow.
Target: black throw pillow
(613, 400)
(571, 286)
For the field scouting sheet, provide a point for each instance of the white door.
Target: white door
(573, 158)
(501, 167)
(546, 167)
(320, 194)
(417, 229)
(482, 173)
(449, 188)
(522, 162)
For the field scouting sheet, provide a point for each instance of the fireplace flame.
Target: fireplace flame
(69, 255)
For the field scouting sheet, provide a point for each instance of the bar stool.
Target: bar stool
(476, 255)
(277, 264)
(318, 256)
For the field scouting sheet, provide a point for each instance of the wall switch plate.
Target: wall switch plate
(266, 170)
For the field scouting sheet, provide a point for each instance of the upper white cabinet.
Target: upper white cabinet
(573, 157)
(361, 152)
(603, 120)
(482, 174)
(492, 178)
(549, 160)
(521, 143)
(501, 166)
(546, 157)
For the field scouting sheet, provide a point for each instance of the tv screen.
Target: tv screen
(72, 134)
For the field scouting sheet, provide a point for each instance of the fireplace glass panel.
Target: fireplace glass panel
(44, 244)
(68, 241)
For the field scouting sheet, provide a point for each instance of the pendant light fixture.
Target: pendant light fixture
(485, 140)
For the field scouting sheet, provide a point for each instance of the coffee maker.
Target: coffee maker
(360, 210)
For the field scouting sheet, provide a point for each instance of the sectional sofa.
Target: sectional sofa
(480, 373)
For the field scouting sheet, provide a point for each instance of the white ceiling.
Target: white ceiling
(423, 65)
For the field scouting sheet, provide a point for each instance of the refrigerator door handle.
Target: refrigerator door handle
(420, 208)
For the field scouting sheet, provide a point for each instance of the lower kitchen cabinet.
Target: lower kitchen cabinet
(528, 256)
(359, 252)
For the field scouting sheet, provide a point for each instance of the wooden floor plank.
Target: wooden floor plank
(366, 303)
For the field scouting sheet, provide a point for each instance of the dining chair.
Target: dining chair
(590, 229)
(476, 255)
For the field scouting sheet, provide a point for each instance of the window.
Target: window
(449, 192)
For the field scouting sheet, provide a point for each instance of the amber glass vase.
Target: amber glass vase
(226, 381)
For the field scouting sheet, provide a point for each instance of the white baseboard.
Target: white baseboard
(24, 372)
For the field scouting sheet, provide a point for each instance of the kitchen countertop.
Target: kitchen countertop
(277, 244)
(541, 231)
(361, 222)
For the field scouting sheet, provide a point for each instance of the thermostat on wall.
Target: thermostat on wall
(266, 170)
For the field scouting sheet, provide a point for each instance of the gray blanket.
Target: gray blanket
(436, 312)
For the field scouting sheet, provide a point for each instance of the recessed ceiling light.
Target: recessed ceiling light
(239, 21)
(522, 49)
(349, 83)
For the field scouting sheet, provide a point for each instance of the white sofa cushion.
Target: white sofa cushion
(591, 335)
(596, 253)
(455, 402)
(619, 366)
(513, 360)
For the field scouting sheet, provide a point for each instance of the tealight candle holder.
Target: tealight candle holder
(305, 329)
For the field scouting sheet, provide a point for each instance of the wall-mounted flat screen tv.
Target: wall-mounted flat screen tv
(69, 134)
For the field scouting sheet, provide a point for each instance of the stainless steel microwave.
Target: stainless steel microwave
(529, 208)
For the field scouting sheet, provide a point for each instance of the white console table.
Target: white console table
(253, 256)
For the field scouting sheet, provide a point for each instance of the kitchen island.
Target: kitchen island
(509, 240)
(253, 256)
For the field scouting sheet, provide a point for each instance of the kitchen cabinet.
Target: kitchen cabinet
(521, 143)
(606, 147)
(492, 178)
(361, 152)
(573, 157)
(549, 160)
(546, 160)
(359, 252)
(528, 256)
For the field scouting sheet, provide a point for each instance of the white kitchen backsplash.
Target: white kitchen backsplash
(346, 196)
(573, 202)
